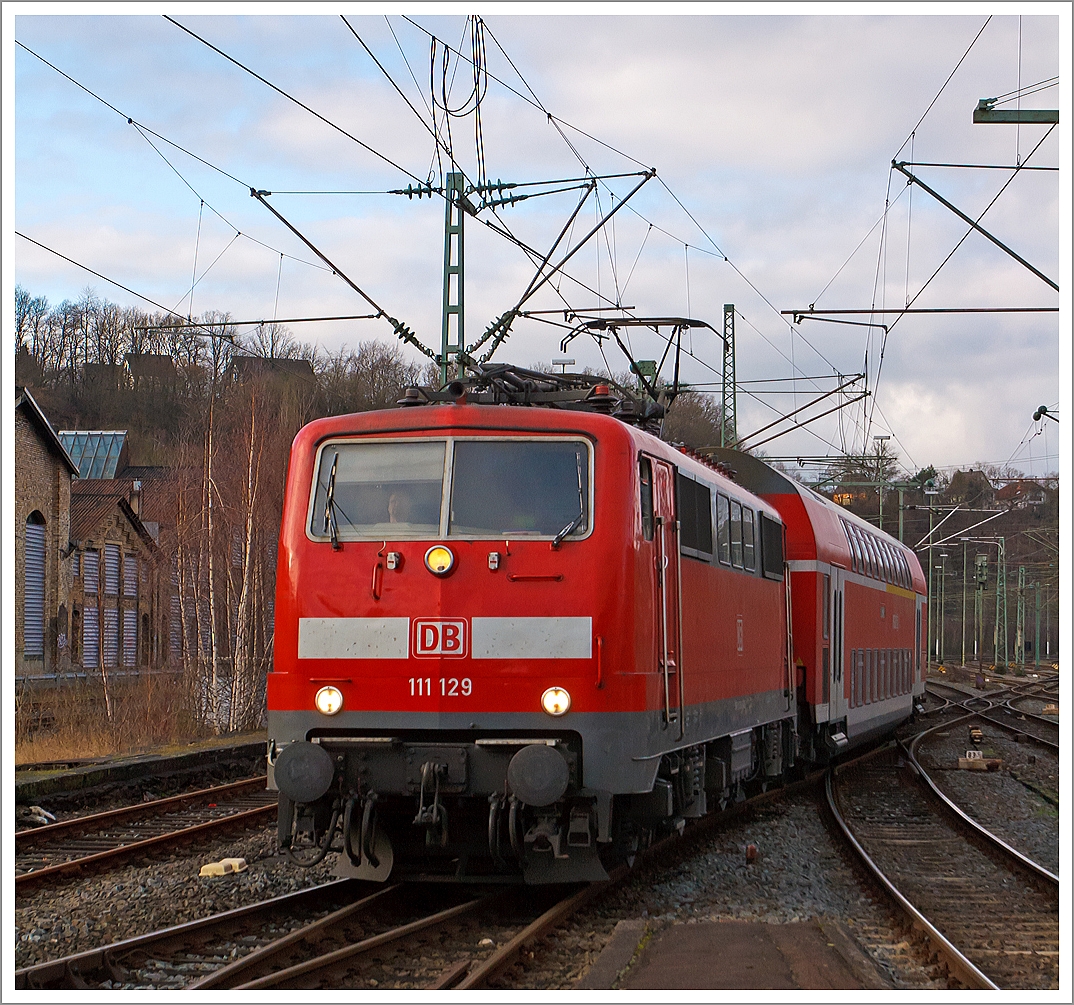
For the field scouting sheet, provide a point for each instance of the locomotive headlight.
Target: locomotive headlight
(329, 700)
(556, 701)
(439, 560)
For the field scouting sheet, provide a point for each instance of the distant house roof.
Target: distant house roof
(25, 401)
(1021, 491)
(243, 367)
(97, 453)
(150, 366)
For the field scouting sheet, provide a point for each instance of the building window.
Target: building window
(111, 636)
(130, 576)
(130, 638)
(91, 636)
(111, 569)
(91, 565)
(33, 624)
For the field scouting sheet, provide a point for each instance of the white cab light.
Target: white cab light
(556, 701)
(329, 700)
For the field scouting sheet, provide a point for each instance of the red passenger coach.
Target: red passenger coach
(858, 599)
(514, 643)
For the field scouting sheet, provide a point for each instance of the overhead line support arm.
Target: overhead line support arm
(900, 166)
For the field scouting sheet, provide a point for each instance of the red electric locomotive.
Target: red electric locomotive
(512, 643)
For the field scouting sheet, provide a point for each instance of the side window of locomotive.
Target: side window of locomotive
(748, 550)
(514, 488)
(379, 489)
(695, 518)
(771, 547)
(736, 534)
(645, 472)
(723, 529)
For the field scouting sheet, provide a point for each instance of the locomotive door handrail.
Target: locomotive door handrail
(669, 576)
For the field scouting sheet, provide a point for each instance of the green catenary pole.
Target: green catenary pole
(728, 404)
(452, 329)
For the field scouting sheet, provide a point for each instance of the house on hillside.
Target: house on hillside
(970, 488)
(153, 371)
(43, 472)
(244, 368)
(1021, 493)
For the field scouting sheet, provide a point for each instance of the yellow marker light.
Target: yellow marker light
(439, 560)
(556, 701)
(329, 700)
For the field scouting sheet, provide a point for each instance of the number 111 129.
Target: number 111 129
(450, 687)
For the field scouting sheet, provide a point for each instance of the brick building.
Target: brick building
(43, 471)
(93, 596)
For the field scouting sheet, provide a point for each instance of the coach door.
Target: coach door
(837, 707)
(669, 591)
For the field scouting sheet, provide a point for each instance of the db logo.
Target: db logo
(440, 638)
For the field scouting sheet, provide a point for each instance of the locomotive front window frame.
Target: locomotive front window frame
(315, 524)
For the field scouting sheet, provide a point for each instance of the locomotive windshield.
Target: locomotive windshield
(497, 488)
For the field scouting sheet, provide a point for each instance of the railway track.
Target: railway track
(352, 935)
(72, 846)
(1002, 707)
(989, 913)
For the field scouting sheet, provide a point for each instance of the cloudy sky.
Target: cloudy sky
(772, 137)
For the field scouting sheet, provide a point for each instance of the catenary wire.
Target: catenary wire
(292, 98)
(126, 289)
(143, 129)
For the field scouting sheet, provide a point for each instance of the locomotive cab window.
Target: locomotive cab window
(379, 489)
(723, 529)
(407, 490)
(645, 476)
(736, 534)
(519, 488)
(747, 540)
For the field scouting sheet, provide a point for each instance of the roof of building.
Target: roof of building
(25, 400)
(90, 509)
(96, 452)
(152, 365)
(249, 366)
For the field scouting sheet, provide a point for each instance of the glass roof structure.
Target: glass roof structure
(96, 452)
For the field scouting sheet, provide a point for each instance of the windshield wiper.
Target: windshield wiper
(330, 506)
(558, 539)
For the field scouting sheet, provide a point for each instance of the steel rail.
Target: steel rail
(78, 965)
(979, 828)
(27, 879)
(505, 955)
(35, 835)
(990, 713)
(225, 974)
(959, 965)
(393, 935)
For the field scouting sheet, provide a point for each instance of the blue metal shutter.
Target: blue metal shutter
(91, 572)
(130, 638)
(111, 569)
(111, 636)
(130, 576)
(33, 629)
(91, 635)
(175, 627)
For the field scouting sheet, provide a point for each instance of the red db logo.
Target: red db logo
(440, 638)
